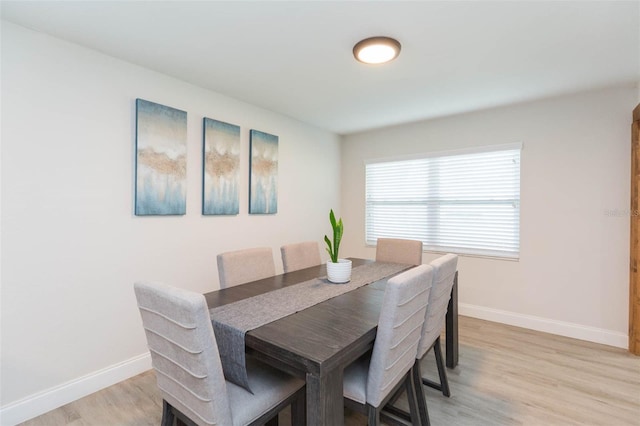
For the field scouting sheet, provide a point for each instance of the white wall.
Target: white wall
(71, 246)
(572, 276)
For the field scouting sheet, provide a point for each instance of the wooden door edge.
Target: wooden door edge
(634, 326)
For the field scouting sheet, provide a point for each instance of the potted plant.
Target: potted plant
(338, 270)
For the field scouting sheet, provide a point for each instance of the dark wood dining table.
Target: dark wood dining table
(317, 343)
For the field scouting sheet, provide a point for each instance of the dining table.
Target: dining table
(317, 343)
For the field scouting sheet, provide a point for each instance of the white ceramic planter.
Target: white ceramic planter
(339, 272)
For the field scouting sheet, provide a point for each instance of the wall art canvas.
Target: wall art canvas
(161, 160)
(221, 168)
(263, 190)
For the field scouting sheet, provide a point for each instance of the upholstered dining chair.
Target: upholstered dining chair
(444, 272)
(243, 266)
(300, 256)
(397, 250)
(373, 379)
(185, 357)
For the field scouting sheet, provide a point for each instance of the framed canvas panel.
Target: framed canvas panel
(161, 160)
(221, 168)
(263, 188)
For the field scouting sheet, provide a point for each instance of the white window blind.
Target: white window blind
(466, 203)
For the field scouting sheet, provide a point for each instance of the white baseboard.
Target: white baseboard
(561, 328)
(47, 400)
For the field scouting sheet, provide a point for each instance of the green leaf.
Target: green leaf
(330, 249)
(332, 219)
(338, 230)
(338, 237)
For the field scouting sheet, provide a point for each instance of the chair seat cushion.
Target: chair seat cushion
(269, 386)
(355, 380)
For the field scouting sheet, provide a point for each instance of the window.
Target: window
(466, 203)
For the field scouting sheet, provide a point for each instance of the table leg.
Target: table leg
(325, 403)
(451, 327)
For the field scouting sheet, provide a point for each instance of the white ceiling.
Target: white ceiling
(295, 57)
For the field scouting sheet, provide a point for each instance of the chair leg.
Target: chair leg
(373, 415)
(411, 398)
(167, 414)
(420, 396)
(418, 414)
(443, 385)
(442, 370)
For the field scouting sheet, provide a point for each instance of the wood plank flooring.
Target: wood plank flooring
(506, 376)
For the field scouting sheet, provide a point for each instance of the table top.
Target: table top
(315, 339)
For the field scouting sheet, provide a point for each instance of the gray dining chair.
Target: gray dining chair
(300, 255)
(397, 250)
(185, 357)
(444, 272)
(373, 379)
(243, 266)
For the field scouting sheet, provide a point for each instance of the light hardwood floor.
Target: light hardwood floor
(506, 376)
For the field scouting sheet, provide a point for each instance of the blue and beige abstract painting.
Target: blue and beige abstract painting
(221, 168)
(161, 160)
(263, 190)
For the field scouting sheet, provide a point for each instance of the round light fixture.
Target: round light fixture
(376, 50)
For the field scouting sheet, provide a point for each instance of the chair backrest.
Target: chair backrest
(243, 266)
(397, 250)
(184, 352)
(300, 256)
(444, 271)
(399, 328)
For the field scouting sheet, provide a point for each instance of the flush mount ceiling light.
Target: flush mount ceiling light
(376, 50)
